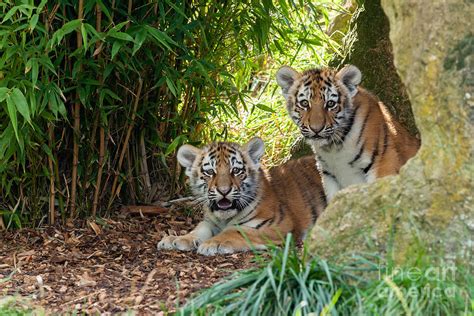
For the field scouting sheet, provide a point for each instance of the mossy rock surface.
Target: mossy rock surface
(429, 206)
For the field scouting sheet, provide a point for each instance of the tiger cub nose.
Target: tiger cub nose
(223, 190)
(316, 129)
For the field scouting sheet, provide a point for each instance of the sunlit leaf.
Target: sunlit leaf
(10, 13)
(34, 21)
(264, 107)
(3, 93)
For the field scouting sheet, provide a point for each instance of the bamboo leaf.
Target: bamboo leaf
(96, 36)
(174, 144)
(48, 151)
(119, 26)
(13, 118)
(171, 86)
(41, 6)
(264, 107)
(161, 37)
(176, 8)
(19, 101)
(63, 31)
(115, 48)
(70, 26)
(139, 40)
(121, 36)
(314, 41)
(33, 22)
(7, 140)
(10, 13)
(104, 9)
(3, 93)
(84, 35)
(34, 71)
(113, 95)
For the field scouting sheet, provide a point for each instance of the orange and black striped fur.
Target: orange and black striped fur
(244, 204)
(353, 135)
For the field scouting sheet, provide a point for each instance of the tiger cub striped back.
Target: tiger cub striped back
(353, 135)
(244, 204)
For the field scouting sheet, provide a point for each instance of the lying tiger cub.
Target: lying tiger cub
(244, 203)
(353, 135)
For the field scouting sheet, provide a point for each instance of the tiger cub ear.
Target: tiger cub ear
(285, 77)
(255, 148)
(350, 76)
(187, 154)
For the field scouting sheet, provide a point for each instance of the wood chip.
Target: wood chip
(114, 270)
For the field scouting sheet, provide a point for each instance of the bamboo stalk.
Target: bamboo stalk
(101, 131)
(129, 11)
(77, 125)
(144, 165)
(115, 190)
(52, 189)
(131, 184)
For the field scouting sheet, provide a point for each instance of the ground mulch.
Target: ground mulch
(109, 267)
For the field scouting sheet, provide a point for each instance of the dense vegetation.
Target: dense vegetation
(95, 96)
(296, 283)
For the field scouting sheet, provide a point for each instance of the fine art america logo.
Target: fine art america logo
(438, 282)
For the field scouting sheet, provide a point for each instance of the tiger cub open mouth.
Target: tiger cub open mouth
(224, 204)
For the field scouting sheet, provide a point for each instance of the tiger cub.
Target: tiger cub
(353, 135)
(244, 203)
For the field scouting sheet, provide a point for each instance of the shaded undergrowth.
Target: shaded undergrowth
(295, 283)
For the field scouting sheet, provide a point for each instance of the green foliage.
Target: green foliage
(200, 63)
(17, 306)
(298, 284)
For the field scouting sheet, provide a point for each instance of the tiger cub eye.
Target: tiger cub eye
(330, 104)
(236, 171)
(304, 103)
(209, 172)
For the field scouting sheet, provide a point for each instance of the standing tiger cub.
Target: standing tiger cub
(242, 202)
(353, 135)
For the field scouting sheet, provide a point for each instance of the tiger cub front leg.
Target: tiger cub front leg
(191, 241)
(330, 184)
(232, 240)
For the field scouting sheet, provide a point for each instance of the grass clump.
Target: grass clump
(13, 306)
(294, 283)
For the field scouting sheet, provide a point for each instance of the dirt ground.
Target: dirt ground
(108, 268)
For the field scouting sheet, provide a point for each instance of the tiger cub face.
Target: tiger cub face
(320, 101)
(223, 176)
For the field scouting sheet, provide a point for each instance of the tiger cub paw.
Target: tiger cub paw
(183, 243)
(213, 247)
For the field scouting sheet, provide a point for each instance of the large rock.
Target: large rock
(429, 206)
